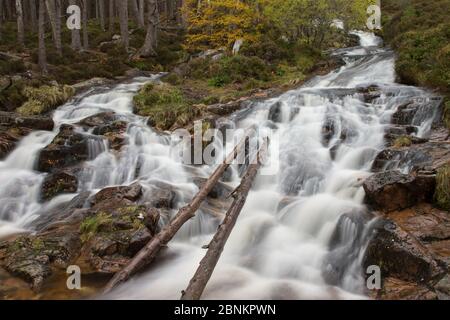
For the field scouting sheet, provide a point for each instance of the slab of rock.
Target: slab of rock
(391, 190)
(400, 255)
(58, 183)
(396, 289)
(31, 122)
(224, 109)
(67, 149)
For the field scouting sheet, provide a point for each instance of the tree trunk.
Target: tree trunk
(150, 44)
(76, 39)
(54, 16)
(149, 252)
(41, 37)
(137, 16)
(123, 17)
(142, 11)
(85, 24)
(101, 9)
(111, 16)
(205, 270)
(20, 27)
(1, 18)
(33, 18)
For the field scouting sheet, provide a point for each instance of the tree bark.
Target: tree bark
(149, 252)
(33, 17)
(54, 16)
(142, 11)
(123, 19)
(151, 39)
(111, 16)
(41, 37)
(76, 39)
(137, 16)
(1, 18)
(20, 27)
(101, 9)
(215, 248)
(85, 4)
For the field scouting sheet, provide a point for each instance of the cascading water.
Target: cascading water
(327, 137)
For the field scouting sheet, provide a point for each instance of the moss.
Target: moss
(44, 99)
(442, 195)
(420, 32)
(166, 106)
(403, 141)
(92, 225)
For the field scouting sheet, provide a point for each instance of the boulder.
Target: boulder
(161, 195)
(58, 183)
(396, 289)
(67, 149)
(391, 190)
(224, 109)
(97, 120)
(117, 195)
(30, 122)
(399, 254)
(275, 112)
(33, 258)
(404, 114)
(219, 191)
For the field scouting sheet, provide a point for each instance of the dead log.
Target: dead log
(146, 255)
(215, 248)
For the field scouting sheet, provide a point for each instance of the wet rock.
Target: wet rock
(32, 258)
(328, 131)
(67, 213)
(396, 289)
(393, 158)
(68, 148)
(9, 138)
(392, 190)
(400, 255)
(58, 183)
(113, 235)
(161, 195)
(219, 191)
(404, 114)
(345, 245)
(224, 109)
(88, 84)
(114, 195)
(443, 287)
(275, 112)
(98, 120)
(401, 130)
(391, 138)
(30, 122)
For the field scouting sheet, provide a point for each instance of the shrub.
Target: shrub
(44, 99)
(403, 141)
(165, 105)
(442, 195)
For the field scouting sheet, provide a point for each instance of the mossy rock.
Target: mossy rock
(165, 105)
(442, 195)
(44, 99)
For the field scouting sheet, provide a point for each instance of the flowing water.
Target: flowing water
(281, 247)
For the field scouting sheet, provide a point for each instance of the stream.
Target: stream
(281, 246)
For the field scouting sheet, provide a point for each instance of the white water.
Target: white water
(274, 252)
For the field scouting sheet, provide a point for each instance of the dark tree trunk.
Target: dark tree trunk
(123, 18)
(151, 39)
(85, 4)
(41, 37)
(20, 26)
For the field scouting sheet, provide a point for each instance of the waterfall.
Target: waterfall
(327, 139)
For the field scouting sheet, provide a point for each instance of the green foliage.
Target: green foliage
(92, 225)
(442, 195)
(44, 99)
(420, 32)
(403, 141)
(219, 23)
(165, 105)
(11, 67)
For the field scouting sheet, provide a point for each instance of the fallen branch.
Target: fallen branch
(146, 255)
(198, 283)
